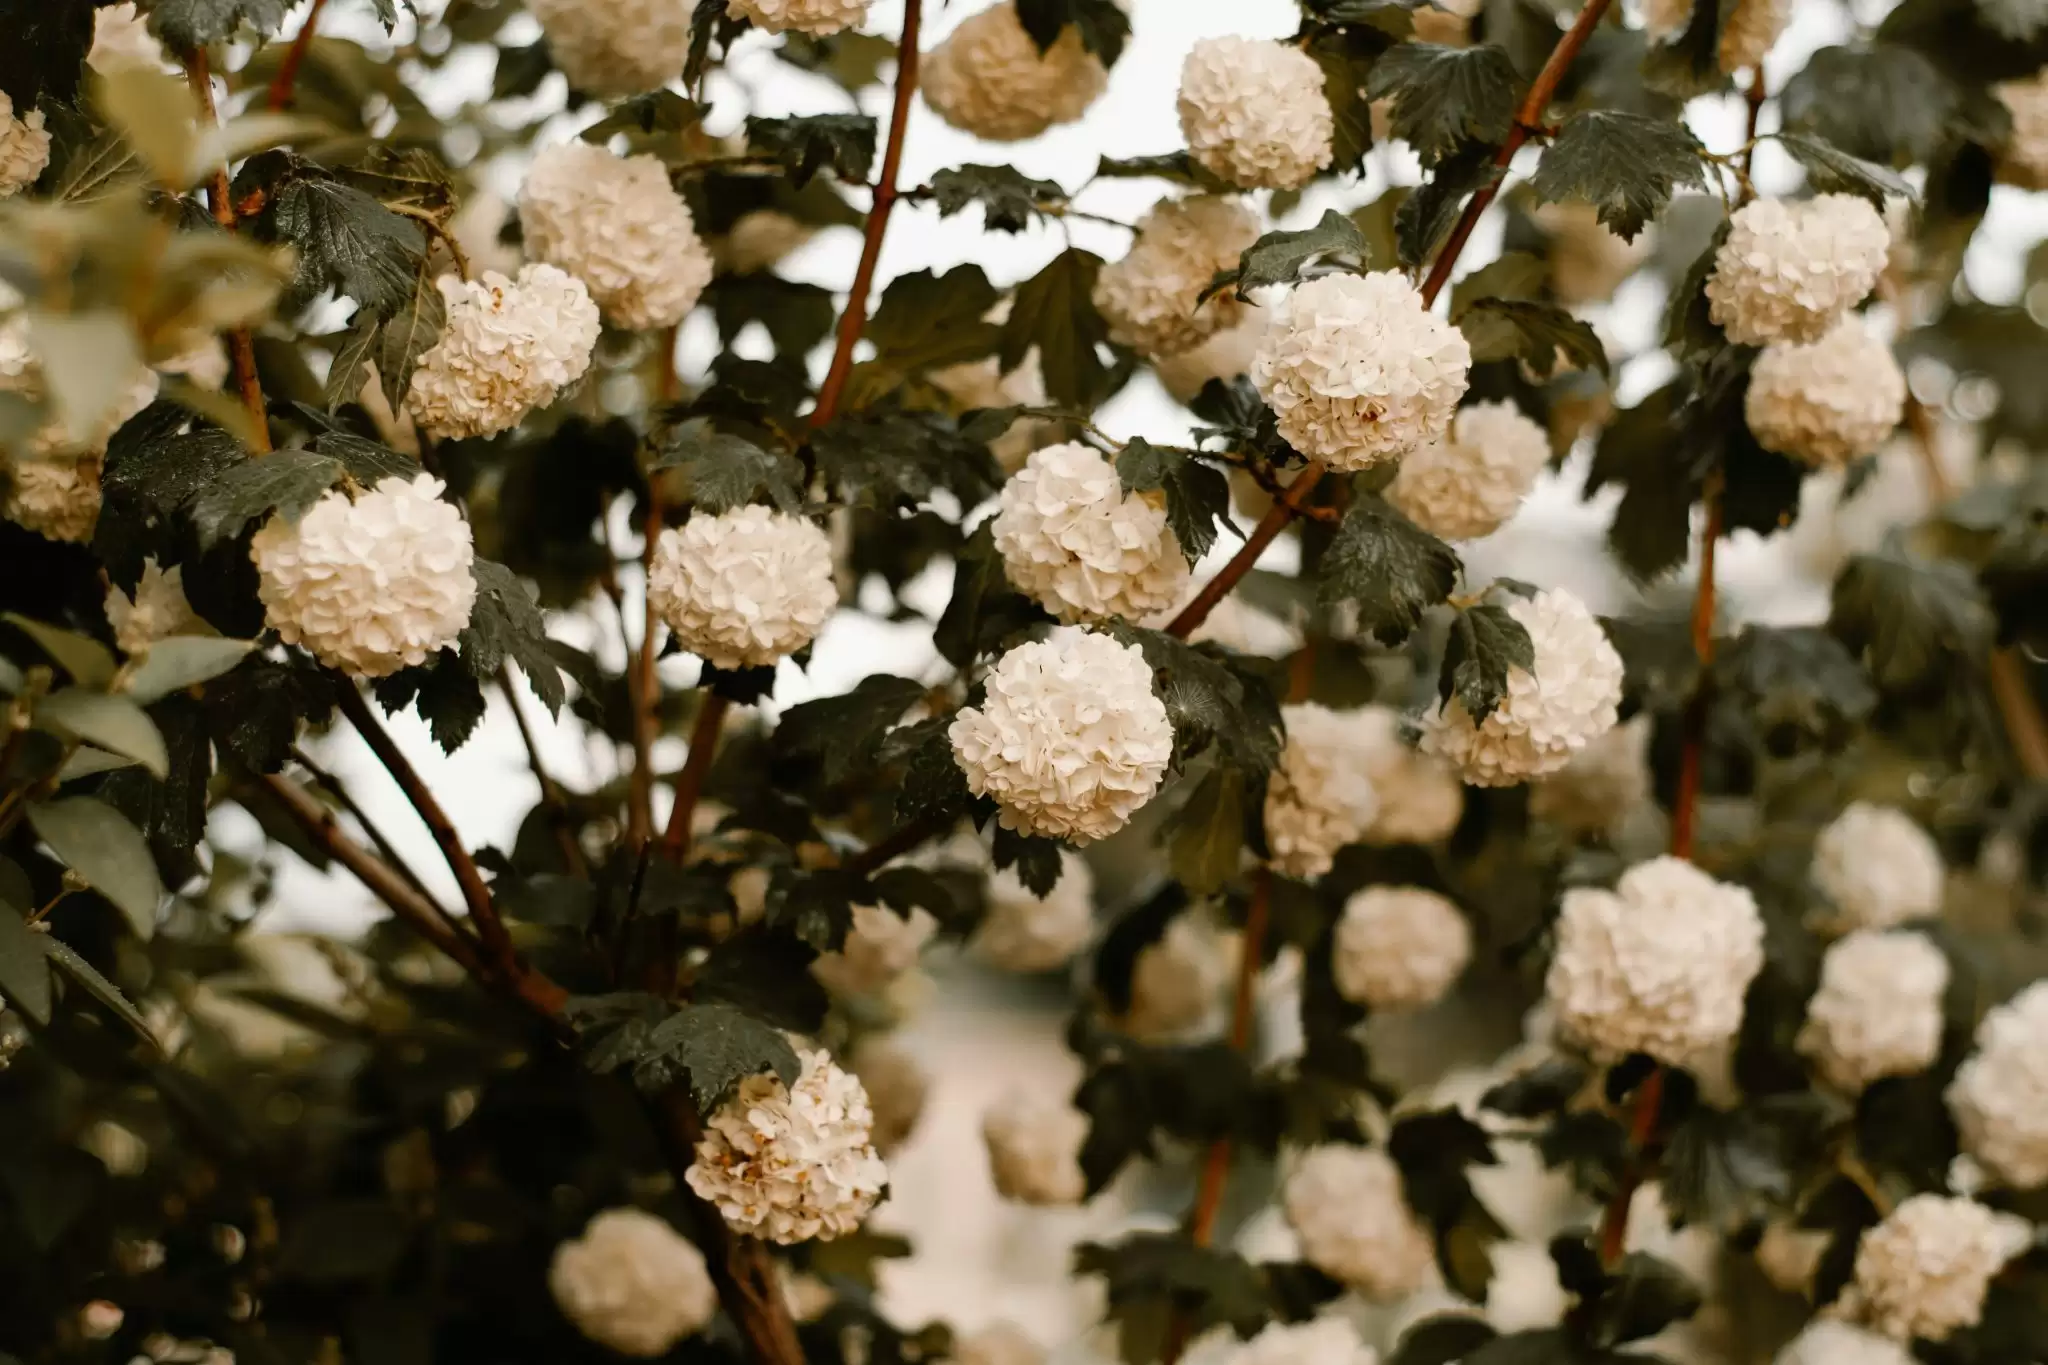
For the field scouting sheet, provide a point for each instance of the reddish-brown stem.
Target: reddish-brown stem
(1230, 575)
(280, 96)
(241, 344)
(341, 796)
(690, 782)
(550, 790)
(1685, 801)
(643, 685)
(856, 315)
(1642, 1131)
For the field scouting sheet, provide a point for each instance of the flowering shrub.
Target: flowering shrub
(1473, 948)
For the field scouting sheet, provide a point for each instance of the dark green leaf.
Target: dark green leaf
(1830, 170)
(723, 471)
(100, 845)
(844, 732)
(719, 1046)
(1543, 1089)
(1103, 24)
(446, 693)
(90, 663)
(49, 1189)
(506, 624)
(188, 24)
(927, 321)
(655, 112)
(1054, 310)
(1427, 214)
(1036, 860)
(1206, 835)
(933, 785)
(1914, 623)
(1643, 1296)
(99, 988)
(1690, 63)
(1445, 96)
(1389, 569)
(1009, 199)
(1197, 495)
(1441, 1340)
(1346, 56)
(768, 975)
(286, 482)
(1627, 165)
(797, 315)
(1503, 329)
(348, 1239)
(1154, 1276)
(255, 709)
(898, 460)
(1485, 644)
(115, 724)
(24, 965)
(984, 609)
(1178, 167)
(343, 239)
(1210, 702)
(843, 142)
(1885, 103)
(1279, 257)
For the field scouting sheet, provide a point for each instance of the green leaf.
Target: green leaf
(984, 609)
(188, 24)
(853, 60)
(718, 1046)
(1205, 837)
(1054, 310)
(1280, 257)
(1831, 170)
(767, 975)
(1178, 167)
(67, 961)
(1445, 96)
(1034, 859)
(844, 732)
(1506, 329)
(1626, 165)
(1427, 214)
(97, 842)
(724, 471)
(928, 321)
(1442, 1339)
(657, 112)
(155, 113)
(1152, 1277)
(843, 142)
(1104, 26)
(898, 460)
(1886, 103)
(796, 315)
(1197, 495)
(1486, 643)
(342, 1241)
(115, 724)
(285, 482)
(90, 663)
(1517, 275)
(1387, 567)
(1915, 623)
(1689, 63)
(177, 662)
(448, 696)
(394, 341)
(343, 238)
(24, 965)
(1009, 199)
(933, 785)
(1346, 56)
(1212, 700)
(1642, 1297)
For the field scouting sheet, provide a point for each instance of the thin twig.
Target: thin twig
(334, 788)
(241, 344)
(711, 713)
(1269, 528)
(1692, 755)
(280, 96)
(550, 790)
(1642, 1133)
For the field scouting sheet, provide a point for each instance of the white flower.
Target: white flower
(745, 587)
(369, 585)
(57, 498)
(1878, 868)
(988, 78)
(1878, 1010)
(1150, 297)
(999, 1343)
(1034, 1149)
(1072, 538)
(1254, 112)
(1659, 964)
(1466, 484)
(1021, 933)
(609, 48)
(1358, 371)
(121, 40)
(1789, 270)
(1923, 1271)
(2023, 160)
(1399, 947)
(896, 1084)
(1320, 796)
(24, 148)
(1749, 28)
(791, 1165)
(632, 1284)
(818, 17)
(157, 611)
(1999, 1097)
(1226, 355)
(880, 946)
(1319, 1341)
(758, 240)
(1588, 259)
(1547, 716)
(1346, 1206)
(1177, 982)
(509, 346)
(1420, 799)
(1827, 1341)
(1829, 401)
(204, 360)
(1605, 782)
(616, 224)
(1070, 739)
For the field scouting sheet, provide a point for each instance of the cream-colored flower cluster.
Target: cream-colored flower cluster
(1254, 112)
(1826, 402)
(1151, 298)
(743, 588)
(609, 48)
(1346, 1207)
(1999, 1097)
(817, 17)
(1469, 482)
(1019, 932)
(1321, 796)
(1086, 550)
(1924, 1270)
(616, 224)
(508, 347)
(1790, 270)
(988, 78)
(1878, 1010)
(1399, 947)
(1749, 28)
(632, 1284)
(1034, 1149)
(1420, 798)
(157, 611)
(880, 947)
(1877, 869)
(24, 148)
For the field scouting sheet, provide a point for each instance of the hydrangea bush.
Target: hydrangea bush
(1464, 960)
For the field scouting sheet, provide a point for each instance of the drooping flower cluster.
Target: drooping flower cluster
(24, 148)
(1399, 947)
(1468, 483)
(1790, 270)
(1319, 1341)
(632, 1284)
(1346, 1207)
(1177, 982)
(743, 588)
(1358, 371)
(1999, 1097)
(1877, 868)
(818, 17)
(1878, 1010)
(1571, 699)
(1072, 538)
(788, 1164)
(609, 48)
(369, 584)
(1254, 113)
(616, 224)
(1749, 28)
(2023, 159)
(508, 347)
(1070, 738)
(1826, 402)
(1034, 1149)
(1021, 933)
(157, 611)
(1924, 1270)
(1151, 299)
(1321, 796)
(1658, 965)
(988, 77)
(880, 946)
(1420, 799)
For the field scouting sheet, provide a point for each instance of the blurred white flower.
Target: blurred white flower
(1254, 112)
(632, 1284)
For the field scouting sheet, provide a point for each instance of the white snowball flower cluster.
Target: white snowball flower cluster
(880, 946)
(632, 1284)
(1571, 699)
(896, 1084)
(988, 78)
(2023, 160)
(1399, 947)
(609, 48)
(1468, 483)
(1346, 1207)
(509, 346)
(1826, 402)
(1021, 933)
(1086, 550)
(57, 498)
(371, 584)
(745, 587)
(121, 40)
(1660, 964)
(1070, 739)
(1420, 799)
(1321, 795)
(1924, 1270)
(1357, 370)
(1177, 981)
(24, 148)
(1790, 270)
(818, 17)
(158, 610)
(1828, 1341)
(791, 1164)
(1588, 259)
(615, 223)
(1749, 28)
(1999, 1097)
(1603, 785)
(1034, 1149)
(1877, 868)
(1254, 112)
(1319, 1341)
(1878, 1010)
(1151, 299)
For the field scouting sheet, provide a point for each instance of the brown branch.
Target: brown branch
(690, 782)
(1685, 802)
(241, 344)
(1269, 528)
(550, 790)
(856, 315)
(340, 794)
(280, 96)
(1642, 1134)
(643, 683)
